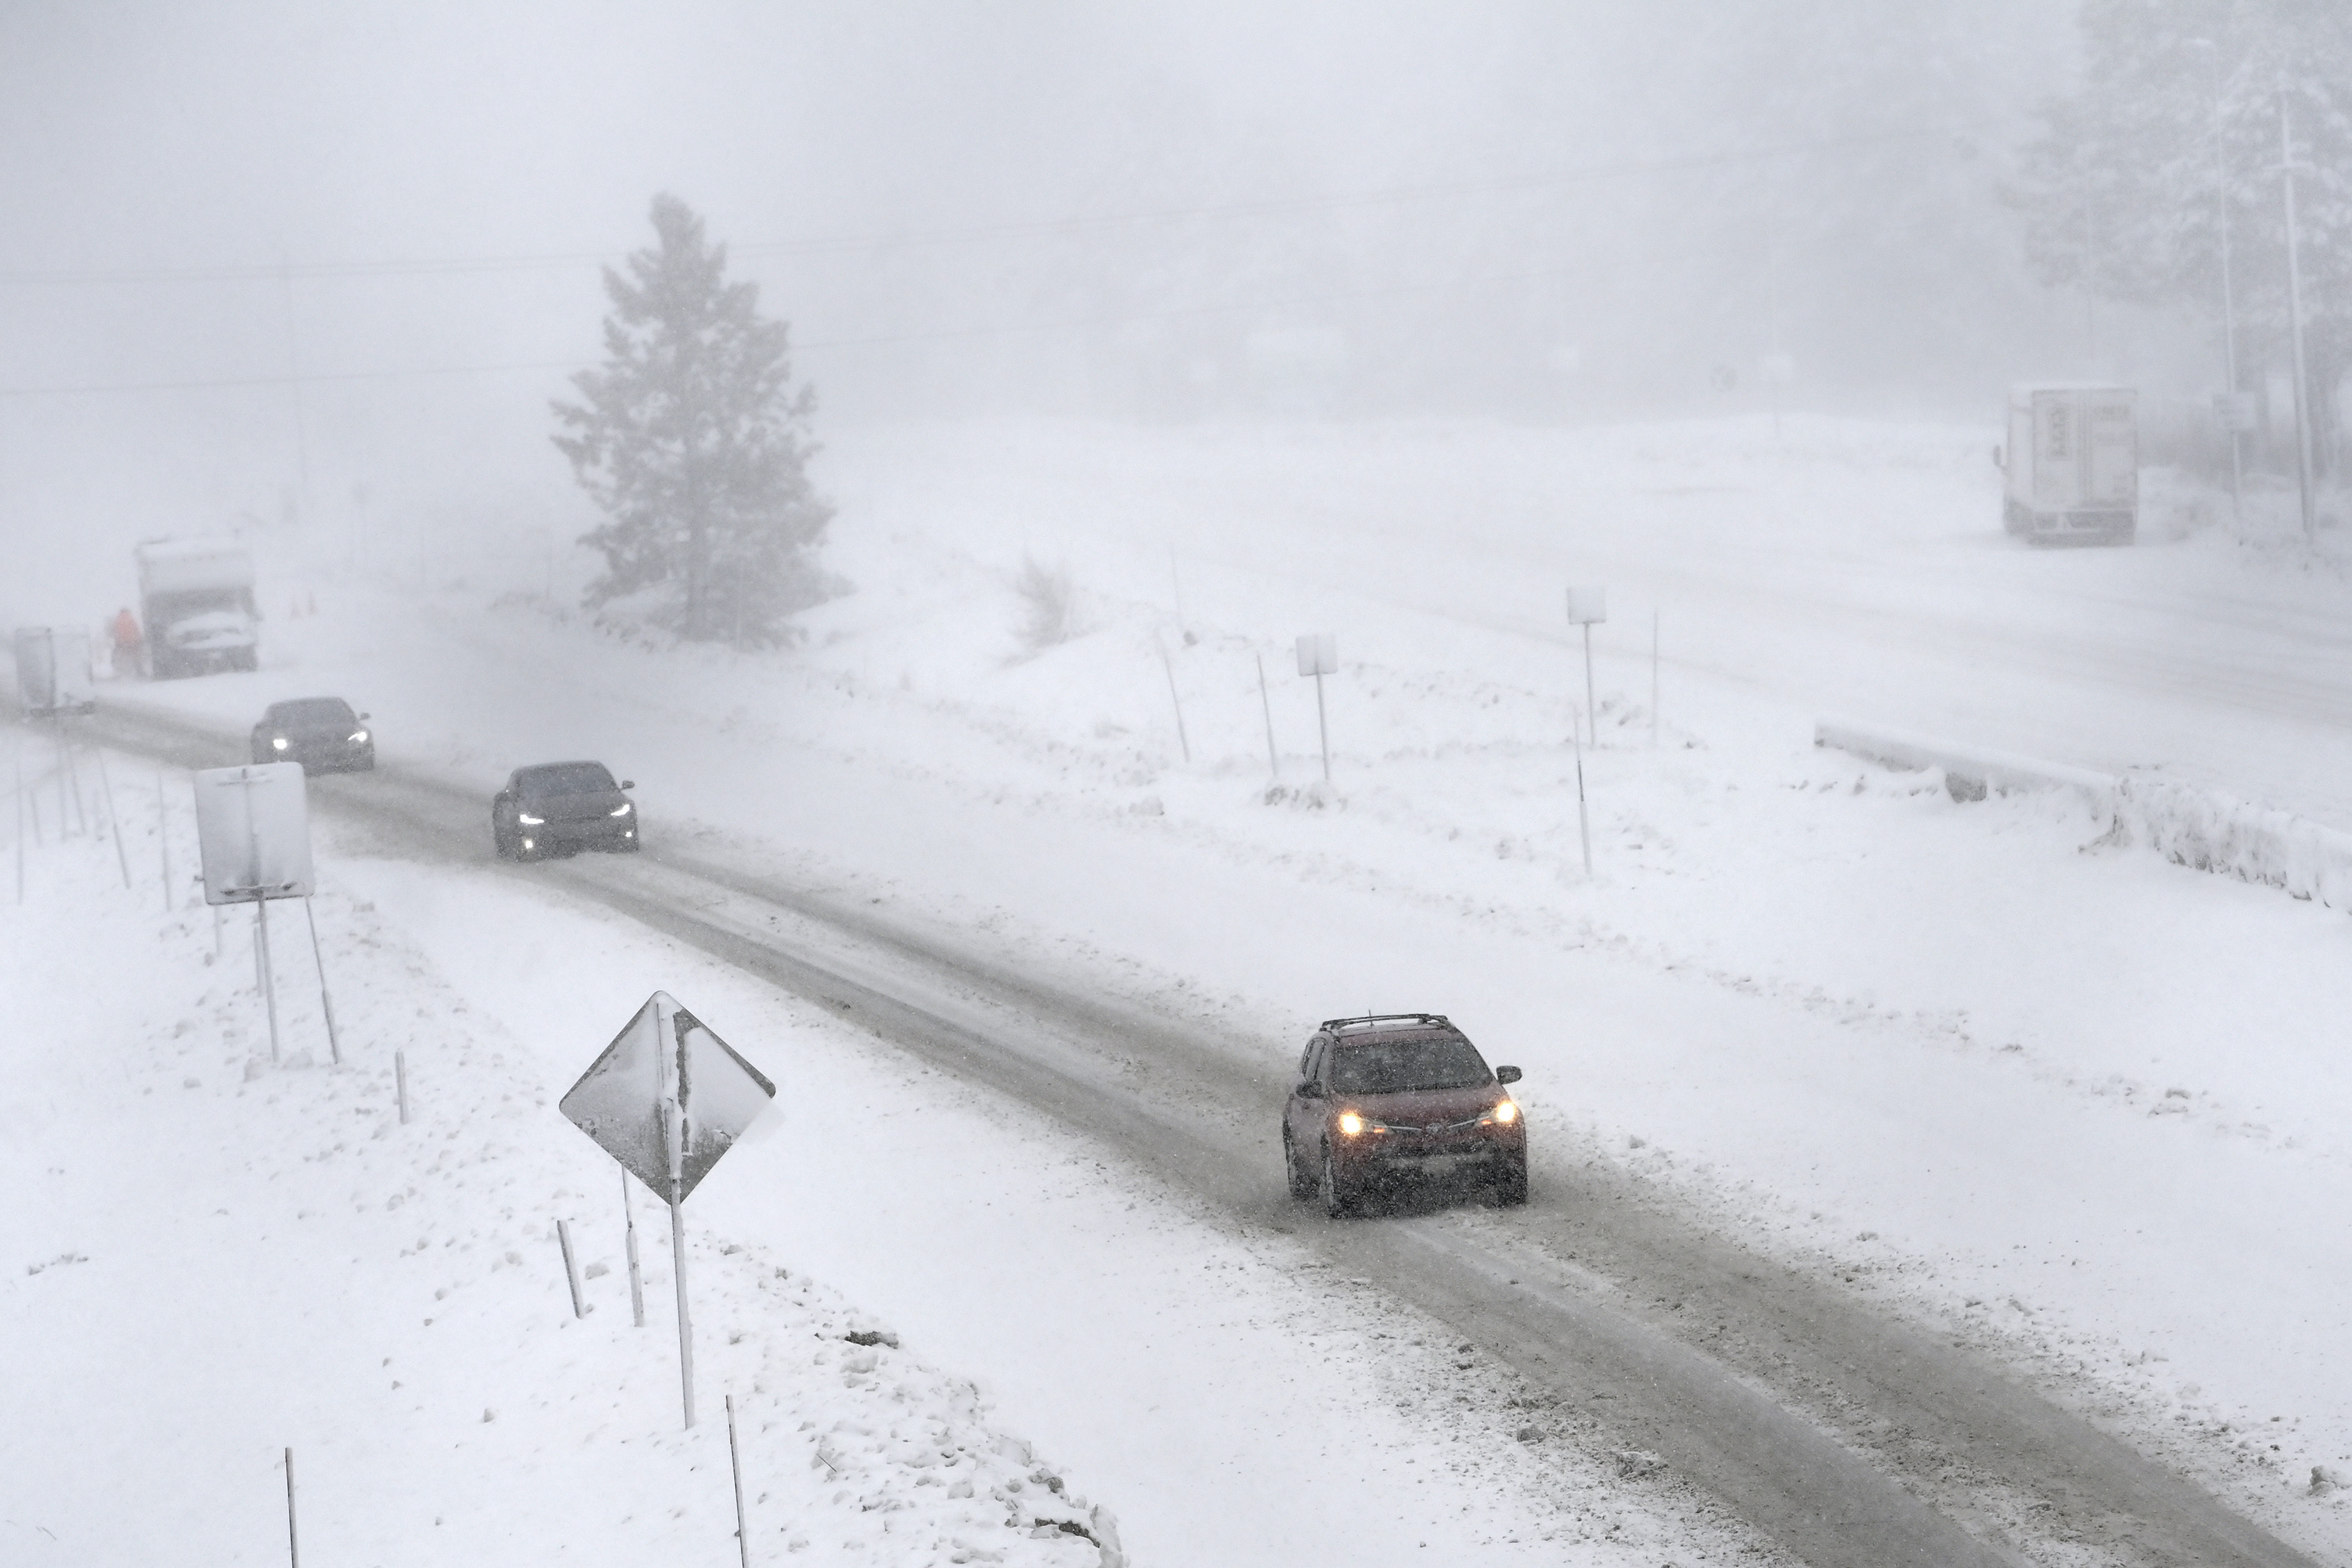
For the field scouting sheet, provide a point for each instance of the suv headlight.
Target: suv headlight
(1503, 1113)
(621, 809)
(1351, 1124)
(358, 735)
(527, 820)
(277, 743)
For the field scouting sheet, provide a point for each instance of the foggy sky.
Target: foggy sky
(1215, 210)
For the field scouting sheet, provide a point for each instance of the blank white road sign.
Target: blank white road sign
(253, 829)
(1319, 653)
(667, 1097)
(1587, 606)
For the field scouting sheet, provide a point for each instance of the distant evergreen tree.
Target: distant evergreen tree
(691, 442)
(2124, 192)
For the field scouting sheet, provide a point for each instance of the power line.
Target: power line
(876, 340)
(1040, 228)
(306, 379)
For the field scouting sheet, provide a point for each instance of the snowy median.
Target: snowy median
(2200, 829)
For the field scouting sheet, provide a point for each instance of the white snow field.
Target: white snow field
(2081, 1107)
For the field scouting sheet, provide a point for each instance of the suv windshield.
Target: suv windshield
(1396, 1066)
(567, 778)
(320, 711)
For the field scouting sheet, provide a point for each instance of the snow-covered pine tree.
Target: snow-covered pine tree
(692, 443)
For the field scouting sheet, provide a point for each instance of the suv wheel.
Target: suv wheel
(1338, 1200)
(1302, 1180)
(1511, 1187)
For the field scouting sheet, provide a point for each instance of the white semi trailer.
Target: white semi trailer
(2072, 462)
(196, 596)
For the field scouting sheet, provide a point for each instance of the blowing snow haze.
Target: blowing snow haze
(265, 261)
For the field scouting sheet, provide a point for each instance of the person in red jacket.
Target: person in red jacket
(127, 642)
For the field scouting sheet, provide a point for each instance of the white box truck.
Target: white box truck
(196, 596)
(2072, 462)
(53, 674)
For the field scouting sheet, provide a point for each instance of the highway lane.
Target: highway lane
(1845, 1435)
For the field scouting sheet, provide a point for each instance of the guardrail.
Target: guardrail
(2200, 829)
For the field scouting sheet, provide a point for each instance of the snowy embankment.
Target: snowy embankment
(2188, 825)
(213, 1257)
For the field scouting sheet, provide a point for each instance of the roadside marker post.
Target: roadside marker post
(570, 1265)
(667, 1100)
(163, 836)
(1583, 827)
(293, 1539)
(1587, 606)
(735, 1462)
(636, 1279)
(1654, 679)
(1318, 656)
(105, 787)
(1273, 757)
(253, 830)
(1177, 702)
(326, 1003)
(57, 736)
(400, 1082)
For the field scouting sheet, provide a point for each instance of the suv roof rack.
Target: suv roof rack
(1367, 1020)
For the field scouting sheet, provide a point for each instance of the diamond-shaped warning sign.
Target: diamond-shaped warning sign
(667, 1097)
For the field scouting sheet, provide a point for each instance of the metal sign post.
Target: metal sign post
(1583, 827)
(326, 1003)
(667, 1099)
(253, 831)
(1653, 677)
(1318, 656)
(1273, 757)
(676, 1112)
(1585, 607)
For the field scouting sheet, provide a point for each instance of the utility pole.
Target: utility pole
(2288, 169)
(2228, 294)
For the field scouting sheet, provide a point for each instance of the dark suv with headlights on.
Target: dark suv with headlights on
(1394, 1096)
(321, 733)
(561, 808)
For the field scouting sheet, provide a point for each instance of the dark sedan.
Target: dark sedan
(321, 733)
(561, 808)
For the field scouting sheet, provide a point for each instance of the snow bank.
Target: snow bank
(2188, 825)
(2215, 832)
